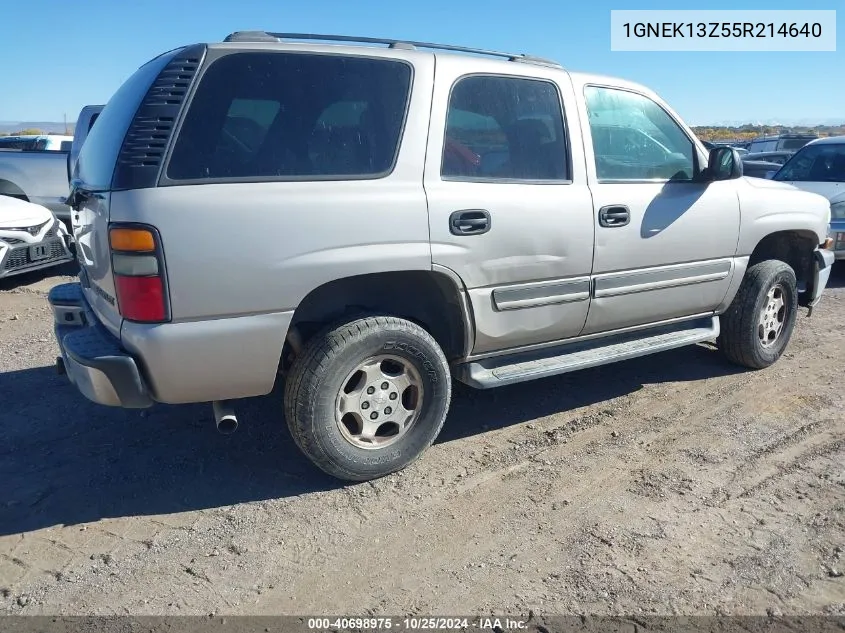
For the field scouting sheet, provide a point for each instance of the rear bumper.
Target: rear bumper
(93, 358)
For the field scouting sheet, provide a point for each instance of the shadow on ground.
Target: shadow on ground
(837, 276)
(66, 461)
(21, 280)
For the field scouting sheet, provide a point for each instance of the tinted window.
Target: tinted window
(816, 163)
(635, 139)
(18, 143)
(95, 166)
(507, 128)
(286, 115)
(795, 143)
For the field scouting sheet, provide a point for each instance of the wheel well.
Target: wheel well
(794, 248)
(430, 299)
(12, 190)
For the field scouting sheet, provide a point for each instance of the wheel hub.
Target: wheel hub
(379, 401)
(772, 316)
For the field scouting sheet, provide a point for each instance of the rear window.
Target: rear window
(97, 158)
(293, 116)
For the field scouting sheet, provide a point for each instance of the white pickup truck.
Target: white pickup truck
(42, 176)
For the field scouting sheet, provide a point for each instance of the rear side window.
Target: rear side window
(504, 128)
(293, 116)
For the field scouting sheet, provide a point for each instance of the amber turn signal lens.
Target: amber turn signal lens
(131, 240)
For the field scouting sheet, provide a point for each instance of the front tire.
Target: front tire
(757, 326)
(367, 397)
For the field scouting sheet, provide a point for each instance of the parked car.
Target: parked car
(770, 157)
(84, 122)
(399, 223)
(712, 145)
(38, 175)
(758, 168)
(37, 142)
(779, 142)
(30, 238)
(819, 167)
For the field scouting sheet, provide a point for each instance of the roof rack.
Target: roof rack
(265, 36)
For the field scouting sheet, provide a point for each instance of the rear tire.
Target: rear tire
(367, 397)
(757, 326)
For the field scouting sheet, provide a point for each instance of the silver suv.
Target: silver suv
(366, 223)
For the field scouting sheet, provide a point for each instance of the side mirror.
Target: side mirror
(724, 164)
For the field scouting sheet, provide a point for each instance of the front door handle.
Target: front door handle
(469, 222)
(614, 215)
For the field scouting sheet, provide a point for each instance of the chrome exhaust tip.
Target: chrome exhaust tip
(224, 417)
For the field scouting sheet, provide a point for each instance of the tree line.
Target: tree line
(32, 131)
(749, 132)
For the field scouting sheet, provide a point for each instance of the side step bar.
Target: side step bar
(507, 370)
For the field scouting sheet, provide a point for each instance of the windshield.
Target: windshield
(815, 163)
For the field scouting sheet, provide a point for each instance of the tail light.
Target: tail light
(138, 268)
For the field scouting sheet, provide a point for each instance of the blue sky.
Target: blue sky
(57, 56)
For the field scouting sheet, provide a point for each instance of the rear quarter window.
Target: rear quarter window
(281, 116)
(97, 158)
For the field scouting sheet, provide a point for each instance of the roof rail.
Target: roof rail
(265, 36)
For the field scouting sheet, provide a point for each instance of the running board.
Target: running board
(507, 370)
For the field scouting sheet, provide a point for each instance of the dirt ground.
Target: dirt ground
(675, 484)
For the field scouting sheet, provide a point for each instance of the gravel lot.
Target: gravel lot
(670, 484)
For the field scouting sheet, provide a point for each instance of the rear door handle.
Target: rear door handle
(614, 215)
(469, 222)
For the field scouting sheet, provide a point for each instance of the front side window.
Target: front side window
(815, 163)
(504, 128)
(635, 139)
(293, 116)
